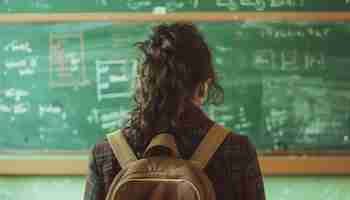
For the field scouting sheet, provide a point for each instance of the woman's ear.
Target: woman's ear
(201, 89)
(200, 93)
(196, 98)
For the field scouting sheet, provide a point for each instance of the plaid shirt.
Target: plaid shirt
(234, 169)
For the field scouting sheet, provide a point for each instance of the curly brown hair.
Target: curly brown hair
(175, 61)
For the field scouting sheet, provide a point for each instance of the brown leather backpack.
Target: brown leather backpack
(159, 176)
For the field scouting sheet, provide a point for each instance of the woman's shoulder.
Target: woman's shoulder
(237, 139)
(102, 149)
(102, 156)
(238, 147)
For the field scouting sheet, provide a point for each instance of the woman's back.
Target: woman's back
(175, 76)
(233, 170)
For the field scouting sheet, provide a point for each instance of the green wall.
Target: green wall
(323, 78)
(277, 188)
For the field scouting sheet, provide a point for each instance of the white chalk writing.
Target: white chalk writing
(160, 10)
(93, 116)
(287, 3)
(289, 60)
(41, 4)
(17, 108)
(221, 114)
(295, 32)
(102, 2)
(49, 109)
(20, 108)
(15, 46)
(16, 94)
(108, 118)
(53, 110)
(230, 4)
(5, 108)
(257, 4)
(111, 73)
(137, 5)
(29, 62)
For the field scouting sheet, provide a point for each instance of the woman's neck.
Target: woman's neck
(197, 101)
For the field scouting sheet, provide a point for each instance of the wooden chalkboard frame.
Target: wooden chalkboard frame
(76, 163)
(185, 16)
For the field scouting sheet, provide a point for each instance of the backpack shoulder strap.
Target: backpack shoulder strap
(208, 146)
(121, 148)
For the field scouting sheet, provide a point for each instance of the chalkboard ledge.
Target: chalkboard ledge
(73, 163)
(305, 164)
(43, 163)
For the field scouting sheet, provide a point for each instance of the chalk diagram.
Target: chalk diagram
(67, 60)
(113, 78)
(113, 83)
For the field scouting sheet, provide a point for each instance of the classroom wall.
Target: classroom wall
(277, 188)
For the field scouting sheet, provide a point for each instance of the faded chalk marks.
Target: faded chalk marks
(108, 118)
(67, 60)
(113, 78)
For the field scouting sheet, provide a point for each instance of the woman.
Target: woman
(174, 78)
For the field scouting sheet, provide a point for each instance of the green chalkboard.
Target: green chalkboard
(63, 86)
(44, 6)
